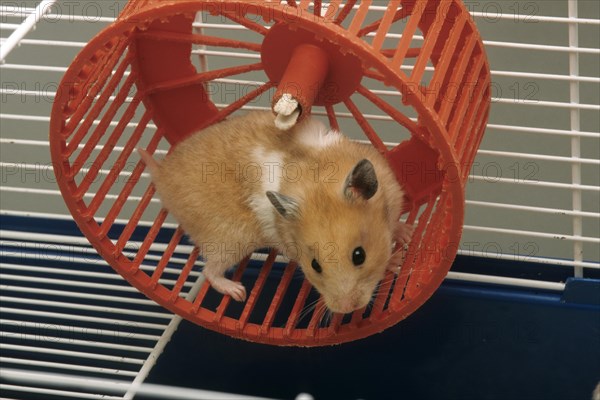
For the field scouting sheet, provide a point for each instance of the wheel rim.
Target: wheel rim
(88, 167)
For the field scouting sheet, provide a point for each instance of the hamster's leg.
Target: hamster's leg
(287, 110)
(214, 272)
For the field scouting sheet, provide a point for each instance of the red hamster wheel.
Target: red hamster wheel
(419, 65)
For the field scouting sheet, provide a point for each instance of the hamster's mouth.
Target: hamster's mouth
(345, 306)
(343, 310)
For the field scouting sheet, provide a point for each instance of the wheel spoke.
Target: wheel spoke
(282, 288)
(304, 4)
(333, 123)
(253, 26)
(185, 272)
(407, 36)
(406, 270)
(317, 8)
(224, 113)
(257, 289)
(399, 14)
(413, 52)
(202, 77)
(366, 127)
(345, 11)
(297, 309)
(332, 9)
(200, 39)
(388, 109)
(359, 16)
(374, 75)
(383, 26)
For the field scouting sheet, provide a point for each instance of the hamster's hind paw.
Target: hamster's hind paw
(287, 110)
(236, 290)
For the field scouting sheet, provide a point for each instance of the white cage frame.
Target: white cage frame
(18, 20)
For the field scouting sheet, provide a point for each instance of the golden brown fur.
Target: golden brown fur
(210, 184)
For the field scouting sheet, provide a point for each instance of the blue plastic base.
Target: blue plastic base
(466, 342)
(469, 341)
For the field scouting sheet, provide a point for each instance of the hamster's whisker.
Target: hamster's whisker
(308, 308)
(304, 313)
(322, 314)
(329, 317)
(396, 255)
(376, 291)
(384, 282)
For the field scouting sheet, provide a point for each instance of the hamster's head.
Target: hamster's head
(341, 237)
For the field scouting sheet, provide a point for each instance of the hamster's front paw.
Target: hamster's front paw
(236, 290)
(402, 237)
(214, 272)
(287, 110)
(403, 233)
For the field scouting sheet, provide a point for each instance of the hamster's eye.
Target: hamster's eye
(358, 256)
(316, 266)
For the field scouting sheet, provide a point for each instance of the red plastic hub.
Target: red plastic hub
(314, 69)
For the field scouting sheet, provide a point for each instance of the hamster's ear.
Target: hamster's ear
(362, 181)
(286, 206)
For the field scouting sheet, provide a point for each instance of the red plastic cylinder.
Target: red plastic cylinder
(304, 76)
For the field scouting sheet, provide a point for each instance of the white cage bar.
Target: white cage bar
(25, 117)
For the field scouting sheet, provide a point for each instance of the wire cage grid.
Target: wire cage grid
(579, 133)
